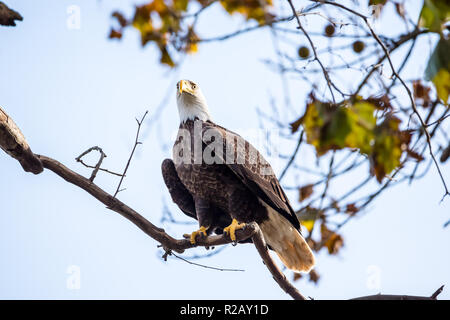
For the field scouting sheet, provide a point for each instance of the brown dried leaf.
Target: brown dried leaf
(331, 240)
(422, 93)
(400, 9)
(295, 125)
(413, 154)
(314, 276)
(306, 191)
(297, 276)
(120, 18)
(351, 209)
(114, 34)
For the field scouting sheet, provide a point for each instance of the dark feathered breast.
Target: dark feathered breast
(238, 159)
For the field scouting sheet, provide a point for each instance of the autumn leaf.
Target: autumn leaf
(352, 124)
(442, 83)
(413, 154)
(180, 4)
(376, 2)
(306, 191)
(331, 240)
(445, 154)
(351, 209)
(438, 69)
(400, 9)
(192, 41)
(165, 57)
(422, 93)
(389, 145)
(330, 127)
(297, 276)
(120, 18)
(258, 10)
(314, 276)
(295, 125)
(434, 14)
(382, 103)
(114, 34)
(308, 216)
(308, 224)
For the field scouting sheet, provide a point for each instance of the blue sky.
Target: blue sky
(72, 89)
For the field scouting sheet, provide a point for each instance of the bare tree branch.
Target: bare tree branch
(13, 142)
(8, 16)
(10, 133)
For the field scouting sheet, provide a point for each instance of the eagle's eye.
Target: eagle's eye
(194, 86)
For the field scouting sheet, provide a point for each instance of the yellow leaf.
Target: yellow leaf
(308, 224)
(250, 9)
(166, 58)
(434, 14)
(181, 4)
(442, 83)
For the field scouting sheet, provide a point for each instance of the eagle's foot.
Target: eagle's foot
(231, 229)
(201, 231)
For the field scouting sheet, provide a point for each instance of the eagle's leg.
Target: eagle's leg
(201, 231)
(237, 203)
(231, 229)
(203, 212)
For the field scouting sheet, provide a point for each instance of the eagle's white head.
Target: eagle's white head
(191, 102)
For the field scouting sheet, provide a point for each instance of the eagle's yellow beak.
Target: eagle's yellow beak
(185, 86)
(180, 86)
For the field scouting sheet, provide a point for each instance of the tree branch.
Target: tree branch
(13, 142)
(8, 16)
(10, 134)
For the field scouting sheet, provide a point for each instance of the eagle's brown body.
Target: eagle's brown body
(239, 184)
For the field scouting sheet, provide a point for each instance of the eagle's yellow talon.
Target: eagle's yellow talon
(231, 229)
(194, 234)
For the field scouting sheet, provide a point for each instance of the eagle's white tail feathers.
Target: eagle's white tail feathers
(287, 242)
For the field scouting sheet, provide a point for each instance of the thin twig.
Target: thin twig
(99, 162)
(136, 143)
(291, 160)
(316, 58)
(203, 265)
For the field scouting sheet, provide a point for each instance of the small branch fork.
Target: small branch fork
(97, 166)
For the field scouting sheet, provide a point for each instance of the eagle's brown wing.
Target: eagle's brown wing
(247, 163)
(178, 192)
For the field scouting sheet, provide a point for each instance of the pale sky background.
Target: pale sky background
(69, 90)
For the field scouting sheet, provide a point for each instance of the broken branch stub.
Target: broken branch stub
(13, 142)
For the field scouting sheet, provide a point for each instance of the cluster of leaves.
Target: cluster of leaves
(164, 23)
(438, 69)
(353, 124)
(435, 17)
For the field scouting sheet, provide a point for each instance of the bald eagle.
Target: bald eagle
(220, 179)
